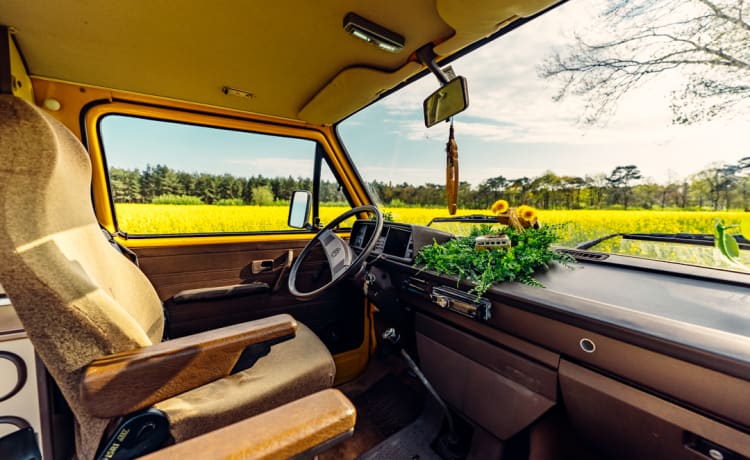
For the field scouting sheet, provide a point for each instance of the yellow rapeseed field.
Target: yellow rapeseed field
(580, 225)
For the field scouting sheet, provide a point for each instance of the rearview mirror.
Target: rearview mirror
(299, 209)
(450, 99)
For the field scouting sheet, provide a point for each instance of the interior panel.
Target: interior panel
(496, 403)
(336, 317)
(649, 369)
(654, 371)
(499, 390)
(536, 377)
(626, 423)
(172, 269)
(697, 385)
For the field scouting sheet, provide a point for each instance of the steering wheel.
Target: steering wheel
(341, 258)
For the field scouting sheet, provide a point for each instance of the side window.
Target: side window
(178, 178)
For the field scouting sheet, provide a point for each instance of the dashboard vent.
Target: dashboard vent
(585, 255)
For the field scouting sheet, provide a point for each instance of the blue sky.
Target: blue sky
(134, 142)
(512, 127)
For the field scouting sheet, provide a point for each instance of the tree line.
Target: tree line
(720, 186)
(148, 185)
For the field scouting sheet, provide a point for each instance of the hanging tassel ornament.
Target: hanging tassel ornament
(451, 172)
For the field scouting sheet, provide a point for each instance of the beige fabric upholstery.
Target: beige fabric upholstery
(79, 299)
(272, 381)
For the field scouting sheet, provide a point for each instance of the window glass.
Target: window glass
(607, 117)
(176, 178)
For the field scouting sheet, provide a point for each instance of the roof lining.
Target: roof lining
(506, 28)
(322, 108)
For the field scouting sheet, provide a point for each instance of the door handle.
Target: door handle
(262, 265)
(283, 262)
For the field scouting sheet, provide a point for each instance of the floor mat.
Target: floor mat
(387, 400)
(389, 405)
(412, 442)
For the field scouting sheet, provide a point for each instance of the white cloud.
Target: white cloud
(413, 175)
(511, 106)
(270, 167)
(489, 132)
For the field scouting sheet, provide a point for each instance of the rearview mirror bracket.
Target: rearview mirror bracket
(427, 57)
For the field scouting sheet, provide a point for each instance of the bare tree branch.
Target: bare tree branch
(703, 41)
(722, 14)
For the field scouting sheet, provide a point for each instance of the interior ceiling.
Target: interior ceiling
(293, 56)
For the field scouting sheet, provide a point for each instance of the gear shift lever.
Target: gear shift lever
(392, 336)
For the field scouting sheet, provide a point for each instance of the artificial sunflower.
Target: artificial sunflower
(526, 213)
(500, 207)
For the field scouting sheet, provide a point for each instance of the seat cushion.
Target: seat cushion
(293, 369)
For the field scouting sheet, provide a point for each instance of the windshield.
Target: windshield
(592, 115)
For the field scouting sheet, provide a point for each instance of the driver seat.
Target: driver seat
(80, 300)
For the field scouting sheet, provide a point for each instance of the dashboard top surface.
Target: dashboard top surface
(672, 304)
(704, 303)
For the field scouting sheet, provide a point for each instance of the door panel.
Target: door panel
(172, 269)
(337, 317)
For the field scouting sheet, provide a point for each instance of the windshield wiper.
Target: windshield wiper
(471, 219)
(701, 239)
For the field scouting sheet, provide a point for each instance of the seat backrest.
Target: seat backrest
(76, 296)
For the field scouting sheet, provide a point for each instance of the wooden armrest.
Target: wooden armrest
(126, 382)
(301, 426)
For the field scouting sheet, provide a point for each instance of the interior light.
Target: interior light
(388, 47)
(374, 34)
(360, 35)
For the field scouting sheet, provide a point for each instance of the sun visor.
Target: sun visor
(462, 16)
(350, 90)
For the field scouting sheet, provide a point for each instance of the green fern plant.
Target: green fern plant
(529, 252)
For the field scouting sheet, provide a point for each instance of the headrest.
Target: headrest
(44, 170)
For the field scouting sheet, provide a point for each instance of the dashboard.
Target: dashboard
(397, 241)
(665, 346)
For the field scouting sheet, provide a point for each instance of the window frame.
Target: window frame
(103, 199)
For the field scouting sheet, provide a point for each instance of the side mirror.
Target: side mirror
(450, 99)
(299, 209)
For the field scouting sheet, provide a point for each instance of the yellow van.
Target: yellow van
(238, 230)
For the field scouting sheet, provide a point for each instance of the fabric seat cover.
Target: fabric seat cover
(79, 299)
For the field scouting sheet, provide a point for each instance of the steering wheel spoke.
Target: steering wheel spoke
(342, 261)
(337, 251)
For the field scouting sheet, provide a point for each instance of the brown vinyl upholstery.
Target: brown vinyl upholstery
(79, 299)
